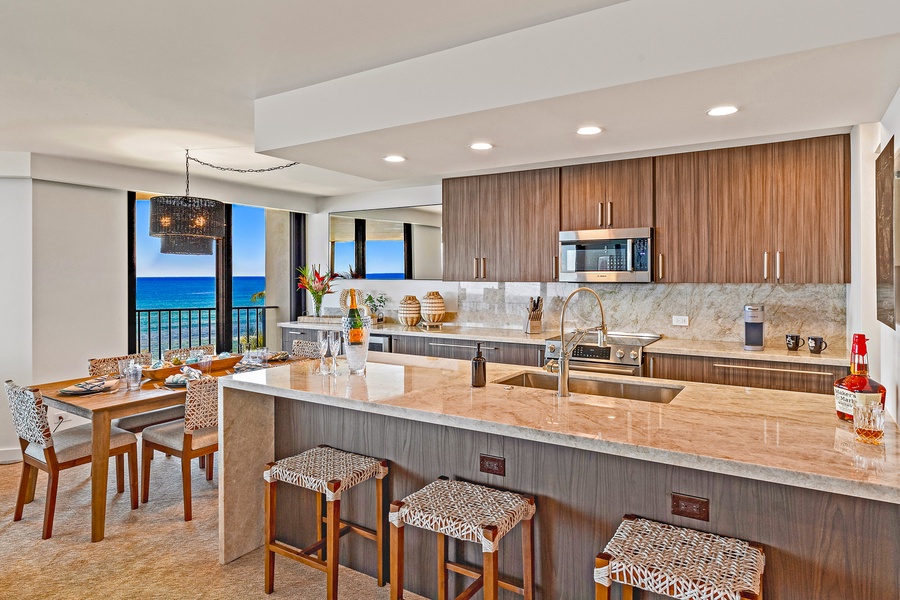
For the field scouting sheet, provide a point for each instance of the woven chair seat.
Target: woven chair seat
(462, 510)
(314, 468)
(681, 563)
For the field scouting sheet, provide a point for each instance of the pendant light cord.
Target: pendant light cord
(187, 171)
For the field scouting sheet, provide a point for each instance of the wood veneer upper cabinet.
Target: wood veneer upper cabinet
(810, 204)
(740, 215)
(611, 194)
(682, 218)
(502, 227)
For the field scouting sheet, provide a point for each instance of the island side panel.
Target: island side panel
(818, 545)
(246, 445)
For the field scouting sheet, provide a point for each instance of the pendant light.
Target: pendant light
(186, 244)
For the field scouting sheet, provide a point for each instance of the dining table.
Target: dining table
(101, 408)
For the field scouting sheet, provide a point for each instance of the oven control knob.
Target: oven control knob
(551, 348)
(620, 353)
(633, 355)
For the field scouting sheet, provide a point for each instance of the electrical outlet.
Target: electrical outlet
(691, 507)
(494, 465)
(54, 416)
(681, 321)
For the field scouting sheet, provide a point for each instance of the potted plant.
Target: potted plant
(376, 305)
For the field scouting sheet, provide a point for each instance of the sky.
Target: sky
(248, 247)
(382, 256)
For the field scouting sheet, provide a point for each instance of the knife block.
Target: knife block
(532, 326)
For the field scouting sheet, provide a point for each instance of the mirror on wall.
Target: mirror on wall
(885, 258)
(387, 243)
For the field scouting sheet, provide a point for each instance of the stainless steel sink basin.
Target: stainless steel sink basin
(578, 385)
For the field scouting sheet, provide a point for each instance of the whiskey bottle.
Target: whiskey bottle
(857, 387)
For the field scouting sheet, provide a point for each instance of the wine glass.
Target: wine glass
(334, 342)
(322, 339)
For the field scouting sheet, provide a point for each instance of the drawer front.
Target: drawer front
(291, 334)
(464, 349)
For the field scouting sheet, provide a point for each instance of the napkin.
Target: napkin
(91, 386)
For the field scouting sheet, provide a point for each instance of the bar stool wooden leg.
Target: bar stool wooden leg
(601, 592)
(396, 556)
(321, 527)
(528, 554)
(491, 566)
(332, 542)
(379, 526)
(442, 566)
(270, 534)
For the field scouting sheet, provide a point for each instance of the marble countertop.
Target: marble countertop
(713, 349)
(789, 438)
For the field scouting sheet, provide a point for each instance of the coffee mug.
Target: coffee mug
(816, 344)
(794, 341)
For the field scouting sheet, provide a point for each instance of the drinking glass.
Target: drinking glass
(133, 376)
(123, 366)
(262, 356)
(868, 423)
(322, 340)
(334, 343)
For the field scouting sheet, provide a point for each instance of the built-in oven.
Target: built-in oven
(606, 255)
(623, 353)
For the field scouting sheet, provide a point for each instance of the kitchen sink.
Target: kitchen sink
(578, 385)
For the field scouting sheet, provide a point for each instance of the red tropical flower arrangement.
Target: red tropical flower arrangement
(316, 283)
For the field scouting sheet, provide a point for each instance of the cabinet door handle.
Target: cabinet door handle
(765, 266)
(600, 214)
(651, 366)
(819, 373)
(553, 267)
(483, 268)
(475, 275)
(459, 346)
(778, 266)
(629, 254)
(659, 267)
(609, 214)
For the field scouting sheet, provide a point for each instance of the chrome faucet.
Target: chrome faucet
(566, 348)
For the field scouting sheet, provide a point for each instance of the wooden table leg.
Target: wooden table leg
(100, 425)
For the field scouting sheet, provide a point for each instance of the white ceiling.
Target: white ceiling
(340, 84)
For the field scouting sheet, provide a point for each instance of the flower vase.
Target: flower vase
(317, 305)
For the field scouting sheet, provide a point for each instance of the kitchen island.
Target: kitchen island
(777, 468)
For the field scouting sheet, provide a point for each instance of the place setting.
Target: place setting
(97, 385)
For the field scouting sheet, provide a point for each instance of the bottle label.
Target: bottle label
(355, 336)
(845, 399)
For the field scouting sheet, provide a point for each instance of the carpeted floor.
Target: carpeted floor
(148, 553)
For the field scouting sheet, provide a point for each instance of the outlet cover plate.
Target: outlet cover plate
(691, 507)
(680, 321)
(493, 465)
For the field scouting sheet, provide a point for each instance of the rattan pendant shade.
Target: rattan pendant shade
(186, 244)
(188, 216)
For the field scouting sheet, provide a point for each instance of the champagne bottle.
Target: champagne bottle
(355, 333)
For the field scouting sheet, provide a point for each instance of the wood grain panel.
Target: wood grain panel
(463, 349)
(818, 545)
(460, 228)
(682, 218)
(627, 184)
(581, 193)
(740, 200)
(811, 209)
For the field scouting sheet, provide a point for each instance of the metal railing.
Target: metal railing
(159, 329)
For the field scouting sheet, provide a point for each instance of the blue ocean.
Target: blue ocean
(194, 292)
(178, 312)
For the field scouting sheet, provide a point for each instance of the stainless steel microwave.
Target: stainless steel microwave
(606, 255)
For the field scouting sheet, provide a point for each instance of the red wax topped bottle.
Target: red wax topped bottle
(857, 386)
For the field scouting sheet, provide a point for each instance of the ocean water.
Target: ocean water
(193, 292)
(161, 329)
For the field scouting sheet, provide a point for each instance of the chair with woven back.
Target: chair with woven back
(183, 354)
(98, 367)
(192, 437)
(43, 451)
(305, 348)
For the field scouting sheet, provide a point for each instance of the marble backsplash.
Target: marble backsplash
(715, 311)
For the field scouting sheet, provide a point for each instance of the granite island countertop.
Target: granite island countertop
(790, 438)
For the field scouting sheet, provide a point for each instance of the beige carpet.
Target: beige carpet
(150, 552)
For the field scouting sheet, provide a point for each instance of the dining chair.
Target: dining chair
(306, 348)
(41, 450)
(183, 354)
(194, 436)
(98, 367)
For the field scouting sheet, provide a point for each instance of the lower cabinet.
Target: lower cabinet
(789, 376)
(529, 355)
(289, 334)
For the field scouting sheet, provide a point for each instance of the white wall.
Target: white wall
(15, 299)
(427, 257)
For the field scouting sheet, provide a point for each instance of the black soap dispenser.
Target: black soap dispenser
(479, 368)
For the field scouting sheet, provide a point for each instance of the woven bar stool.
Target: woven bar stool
(468, 512)
(328, 472)
(678, 562)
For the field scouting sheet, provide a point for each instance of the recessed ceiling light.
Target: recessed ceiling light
(721, 111)
(481, 146)
(394, 158)
(591, 130)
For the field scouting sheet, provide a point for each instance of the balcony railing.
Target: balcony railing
(159, 329)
